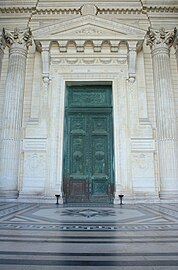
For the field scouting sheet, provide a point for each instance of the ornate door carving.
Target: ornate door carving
(88, 149)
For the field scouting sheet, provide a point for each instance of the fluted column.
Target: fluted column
(176, 48)
(160, 43)
(18, 43)
(2, 46)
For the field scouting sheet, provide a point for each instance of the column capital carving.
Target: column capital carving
(160, 38)
(176, 45)
(18, 38)
(2, 40)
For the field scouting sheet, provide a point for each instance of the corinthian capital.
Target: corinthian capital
(2, 40)
(160, 37)
(19, 37)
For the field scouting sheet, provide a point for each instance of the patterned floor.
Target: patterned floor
(46, 237)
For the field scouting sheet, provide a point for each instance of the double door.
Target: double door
(88, 155)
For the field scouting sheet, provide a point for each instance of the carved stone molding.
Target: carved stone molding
(89, 31)
(2, 47)
(97, 46)
(69, 11)
(140, 145)
(88, 61)
(132, 59)
(88, 9)
(160, 9)
(176, 46)
(2, 41)
(18, 38)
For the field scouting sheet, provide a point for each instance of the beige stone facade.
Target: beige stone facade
(48, 45)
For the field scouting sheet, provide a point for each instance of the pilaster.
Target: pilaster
(2, 47)
(160, 43)
(177, 53)
(45, 56)
(18, 42)
(176, 47)
(36, 178)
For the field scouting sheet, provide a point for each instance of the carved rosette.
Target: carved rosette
(18, 41)
(161, 40)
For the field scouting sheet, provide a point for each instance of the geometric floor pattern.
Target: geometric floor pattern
(56, 237)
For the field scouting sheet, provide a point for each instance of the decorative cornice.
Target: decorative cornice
(45, 11)
(160, 9)
(143, 10)
(119, 11)
(57, 11)
(16, 10)
(50, 11)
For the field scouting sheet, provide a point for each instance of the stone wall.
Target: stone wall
(89, 42)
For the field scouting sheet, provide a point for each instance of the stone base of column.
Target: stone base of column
(171, 195)
(8, 194)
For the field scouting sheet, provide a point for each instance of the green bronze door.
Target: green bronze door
(88, 144)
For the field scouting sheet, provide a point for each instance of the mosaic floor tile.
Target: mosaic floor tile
(46, 236)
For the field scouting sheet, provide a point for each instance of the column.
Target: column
(176, 48)
(18, 43)
(160, 43)
(2, 46)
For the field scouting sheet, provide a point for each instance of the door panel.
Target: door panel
(88, 175)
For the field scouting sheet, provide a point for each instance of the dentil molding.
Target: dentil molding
(100, 11)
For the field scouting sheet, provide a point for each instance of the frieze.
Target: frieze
(88, 61)
(85, 61)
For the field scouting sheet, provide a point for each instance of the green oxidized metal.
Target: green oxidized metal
(88, 147)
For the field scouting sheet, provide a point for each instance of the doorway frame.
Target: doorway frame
(115, 77)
